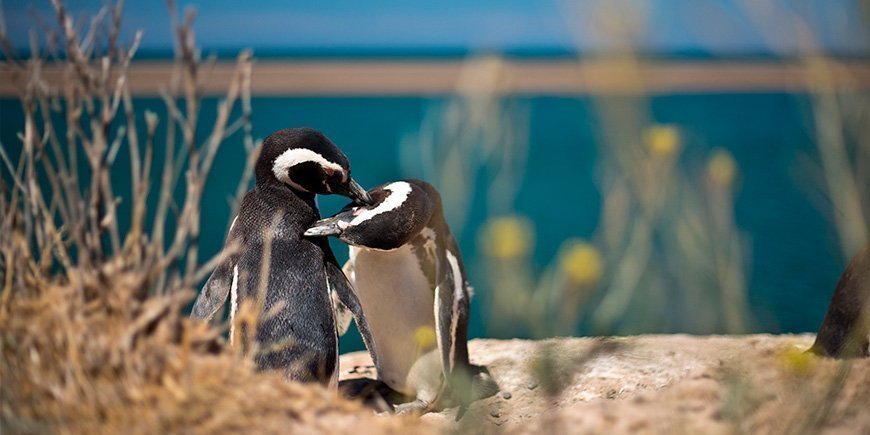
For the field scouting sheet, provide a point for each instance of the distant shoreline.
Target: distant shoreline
(554, 76)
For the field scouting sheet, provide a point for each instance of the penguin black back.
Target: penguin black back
(286, 277)
(296, 329)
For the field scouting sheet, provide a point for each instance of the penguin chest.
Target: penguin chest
(398, 302)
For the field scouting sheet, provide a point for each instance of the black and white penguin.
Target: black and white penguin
(407, 271)
(296, 330)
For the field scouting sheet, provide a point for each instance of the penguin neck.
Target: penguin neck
(295, 199)
(306, 197)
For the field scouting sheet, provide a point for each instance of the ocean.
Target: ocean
(793, 259)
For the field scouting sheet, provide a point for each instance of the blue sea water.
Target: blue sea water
(794, 260)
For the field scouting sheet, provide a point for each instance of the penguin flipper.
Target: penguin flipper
(343, 290)
(443, 322)
(214, 292)
(451, 307)
(451, 320)
(343, 315)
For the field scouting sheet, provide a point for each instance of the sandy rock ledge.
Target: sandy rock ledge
(660, 383)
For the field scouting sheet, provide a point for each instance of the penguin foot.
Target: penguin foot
(483, 385)
(374, 394)
(418, 406)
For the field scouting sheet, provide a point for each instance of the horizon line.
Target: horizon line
(383, 77)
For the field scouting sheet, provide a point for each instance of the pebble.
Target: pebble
(531, 385)
(495, 413)
(506, 395)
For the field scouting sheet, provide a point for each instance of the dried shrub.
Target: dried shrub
(93, 334)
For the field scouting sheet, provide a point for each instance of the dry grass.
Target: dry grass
(93, 334)
(97, 357)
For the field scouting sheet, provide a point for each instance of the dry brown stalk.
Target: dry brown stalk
(93, 333)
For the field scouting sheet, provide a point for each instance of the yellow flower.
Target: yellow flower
(721, 168)
(581, 263)
(662, 140)
(508, 237)
(425, 337)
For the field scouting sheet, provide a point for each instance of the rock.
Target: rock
(659, 384)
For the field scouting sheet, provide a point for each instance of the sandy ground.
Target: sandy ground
(660, 383)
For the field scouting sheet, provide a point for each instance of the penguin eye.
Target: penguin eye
(335, 177)
(303, 176)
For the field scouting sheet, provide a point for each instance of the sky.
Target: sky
(725, 27)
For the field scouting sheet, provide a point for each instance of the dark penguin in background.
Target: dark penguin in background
(407, 271)
(296, 331)
(845, 332)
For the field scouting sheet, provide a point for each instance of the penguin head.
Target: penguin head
(306, 161)
(399, 211)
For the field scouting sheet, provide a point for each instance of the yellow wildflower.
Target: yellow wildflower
(662, 140)
(581, 263)
(506, 238)
(721, 168)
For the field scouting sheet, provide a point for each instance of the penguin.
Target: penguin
(845, 331)
(295, 332)
(407, 271)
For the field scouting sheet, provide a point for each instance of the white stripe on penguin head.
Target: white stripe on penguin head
(296, 156)
(400, 191)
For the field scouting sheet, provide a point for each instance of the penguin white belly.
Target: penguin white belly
(398, 302)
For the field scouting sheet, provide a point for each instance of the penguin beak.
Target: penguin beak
(332, 226)
(355, 192)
